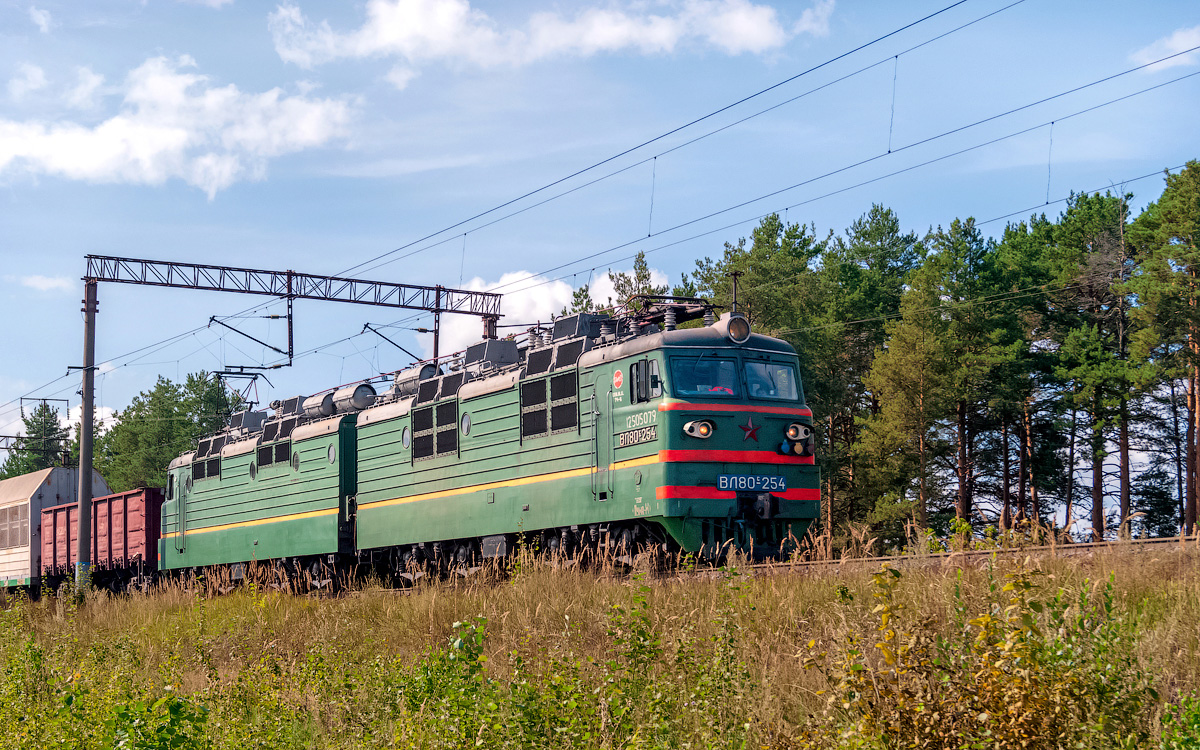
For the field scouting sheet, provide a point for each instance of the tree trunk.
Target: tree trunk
(923, 500)
(963, 505)
(922, 495)
(1033, 488)
(1190, 487)
(848, 440)
(829, 501)
(1123, 447)
(1177, 445)
(1071, 468)
(1190, 522)
(1006, 506)
(1097, 446)
(1022, 463)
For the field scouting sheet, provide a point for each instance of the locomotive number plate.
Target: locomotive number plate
(641, 435)
(751, 483)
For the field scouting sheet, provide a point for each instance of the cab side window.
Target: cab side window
(647, 382)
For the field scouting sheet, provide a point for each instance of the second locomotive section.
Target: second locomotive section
(609, 432)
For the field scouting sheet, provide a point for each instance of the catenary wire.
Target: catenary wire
(667, 134)
(623, 153)
(879, 156)
(170, 340)
(677, 147)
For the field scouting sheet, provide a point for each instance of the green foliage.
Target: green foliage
(41, 446)
(637, 663)
(634, 698)
(1031, 670)
(168, 723)
(581, 301)
(159, 425)
(1181, 724)
(626, 285)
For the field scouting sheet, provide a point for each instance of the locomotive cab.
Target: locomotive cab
(737, 465)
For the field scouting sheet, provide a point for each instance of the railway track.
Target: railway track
(1178, 543)
(1169, 544)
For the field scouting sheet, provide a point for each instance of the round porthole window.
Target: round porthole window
(188, 484)
(406, 438)
(331, 454)
(296, 461)
(464, 424)
(253, 470)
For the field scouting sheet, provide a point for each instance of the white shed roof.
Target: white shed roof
(24, 487)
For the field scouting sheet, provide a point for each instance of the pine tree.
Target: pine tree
(581, 301)
(856, 283)
(910, 378)
(43, 444)
(159, 425)
(1091, 310)
(626, 285)
(1168, 289)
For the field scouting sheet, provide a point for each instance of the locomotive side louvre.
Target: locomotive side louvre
(281, 497)
(591, 431)
(523, 455)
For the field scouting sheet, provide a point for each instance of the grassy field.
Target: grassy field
(1083, 652)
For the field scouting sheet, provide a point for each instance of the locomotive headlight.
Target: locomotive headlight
(739, 329)
(700, 428)
(799, 432)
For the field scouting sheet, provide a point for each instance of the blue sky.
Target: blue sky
(313, 137)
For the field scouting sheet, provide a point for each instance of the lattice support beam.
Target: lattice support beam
(291, 284)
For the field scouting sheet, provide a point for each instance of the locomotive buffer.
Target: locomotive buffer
(287, 285)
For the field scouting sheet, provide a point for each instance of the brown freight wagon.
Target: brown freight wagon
(125, 530)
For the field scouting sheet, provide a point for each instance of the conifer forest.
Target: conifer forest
(1047, 373)
(1041, 372)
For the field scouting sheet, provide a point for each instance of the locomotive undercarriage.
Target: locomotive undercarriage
(617, 543)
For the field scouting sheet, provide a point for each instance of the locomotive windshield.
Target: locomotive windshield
(771, 380)
(704, 376)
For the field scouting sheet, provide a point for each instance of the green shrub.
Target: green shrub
(1181, 725)
(1024, 673)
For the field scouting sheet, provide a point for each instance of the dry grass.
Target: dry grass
(330, 671)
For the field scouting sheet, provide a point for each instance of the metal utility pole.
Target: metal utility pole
(437, 322)
(287, 285)
(84, 513)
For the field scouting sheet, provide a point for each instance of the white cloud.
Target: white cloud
(103, 414)
(523, 302)
(814, 21)
(41, 19)
(29, 77)
(401, 76)
(425, 31)
(1178, 41)
(49, 283)
(83, 94)
(522, 306)
(176, 125)
(601, 287)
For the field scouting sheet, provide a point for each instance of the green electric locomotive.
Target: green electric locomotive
(622, 432)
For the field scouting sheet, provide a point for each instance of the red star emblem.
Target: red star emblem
(750, 430)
